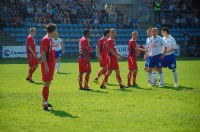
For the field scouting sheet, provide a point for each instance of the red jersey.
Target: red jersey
(111, 45)
(30, 42)
(84, 45)
(131, 48)
(102, 44)
(47, 46)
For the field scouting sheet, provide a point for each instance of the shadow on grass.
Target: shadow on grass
(95, 91)
(38, 83)
(61, 113)
(179, 88)
(64, 73)
(112, 84)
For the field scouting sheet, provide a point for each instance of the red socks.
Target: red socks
(45, 94)
(105, 80)
(87, 76)
(129, 78)
(80, 79)
(102, 72)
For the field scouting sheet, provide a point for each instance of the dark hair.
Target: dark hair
(165, 29)
(86, 31)
(51, 27)
(106, 31)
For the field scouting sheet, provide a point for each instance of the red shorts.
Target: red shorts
(103, 62)
(31, 60)
(83, 67)
(132, 64)
(48, 77)
(112, 63)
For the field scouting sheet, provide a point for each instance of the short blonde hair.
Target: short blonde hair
(150, 29)
(112, 29)
(32, 29)
(154, 28)
(134, 32)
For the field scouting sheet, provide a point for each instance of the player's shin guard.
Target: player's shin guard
(119, 80)
(129, 78)
(45, 95)
(175, 75)
(80, 80)
(134, 78)
(161, 78)
(87, 76)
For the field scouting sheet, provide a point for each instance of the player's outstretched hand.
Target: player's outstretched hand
(100, 57)
(145, 58)
(86, 60)
(119, 57)
(47, 70)
(63, 52)
(34, 56)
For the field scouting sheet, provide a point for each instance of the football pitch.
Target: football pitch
(112, 109)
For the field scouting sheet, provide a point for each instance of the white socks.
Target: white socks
(58, 66)
(175, 75)
(161, 78)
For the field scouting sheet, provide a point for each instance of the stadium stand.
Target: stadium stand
(73, 17)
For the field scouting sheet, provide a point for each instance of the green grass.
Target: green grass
(160, 109)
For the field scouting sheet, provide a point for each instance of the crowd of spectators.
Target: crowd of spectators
(126, 23)
(175, 13)
(58, 11)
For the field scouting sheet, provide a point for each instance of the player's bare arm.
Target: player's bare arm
(170, 50)
(62, 45)
(44, 60)
(31, 50)
(118, 56)
(99, 54)
(164, 52)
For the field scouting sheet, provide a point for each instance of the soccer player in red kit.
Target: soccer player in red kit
(112, 60)
(48, 62)
(84, 60)
(132, 64)
(102, 51)
(31, 54)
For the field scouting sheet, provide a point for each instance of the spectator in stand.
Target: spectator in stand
(56, 18)
(184, 7)
(18, 22)
(30, 11)
(91, 23)
(66, 18)
(96, 22)
(178, 22)
(120, 23)
(2, 23)
(196, 22)
(86, 24)
(183, 23)
(47, 18)
(13, 22)
(171, 7)
(134, 23)
(163, 22)
(127, 23)
(157, 8)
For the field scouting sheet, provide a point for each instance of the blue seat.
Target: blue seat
(18, 39)
(6, 29)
